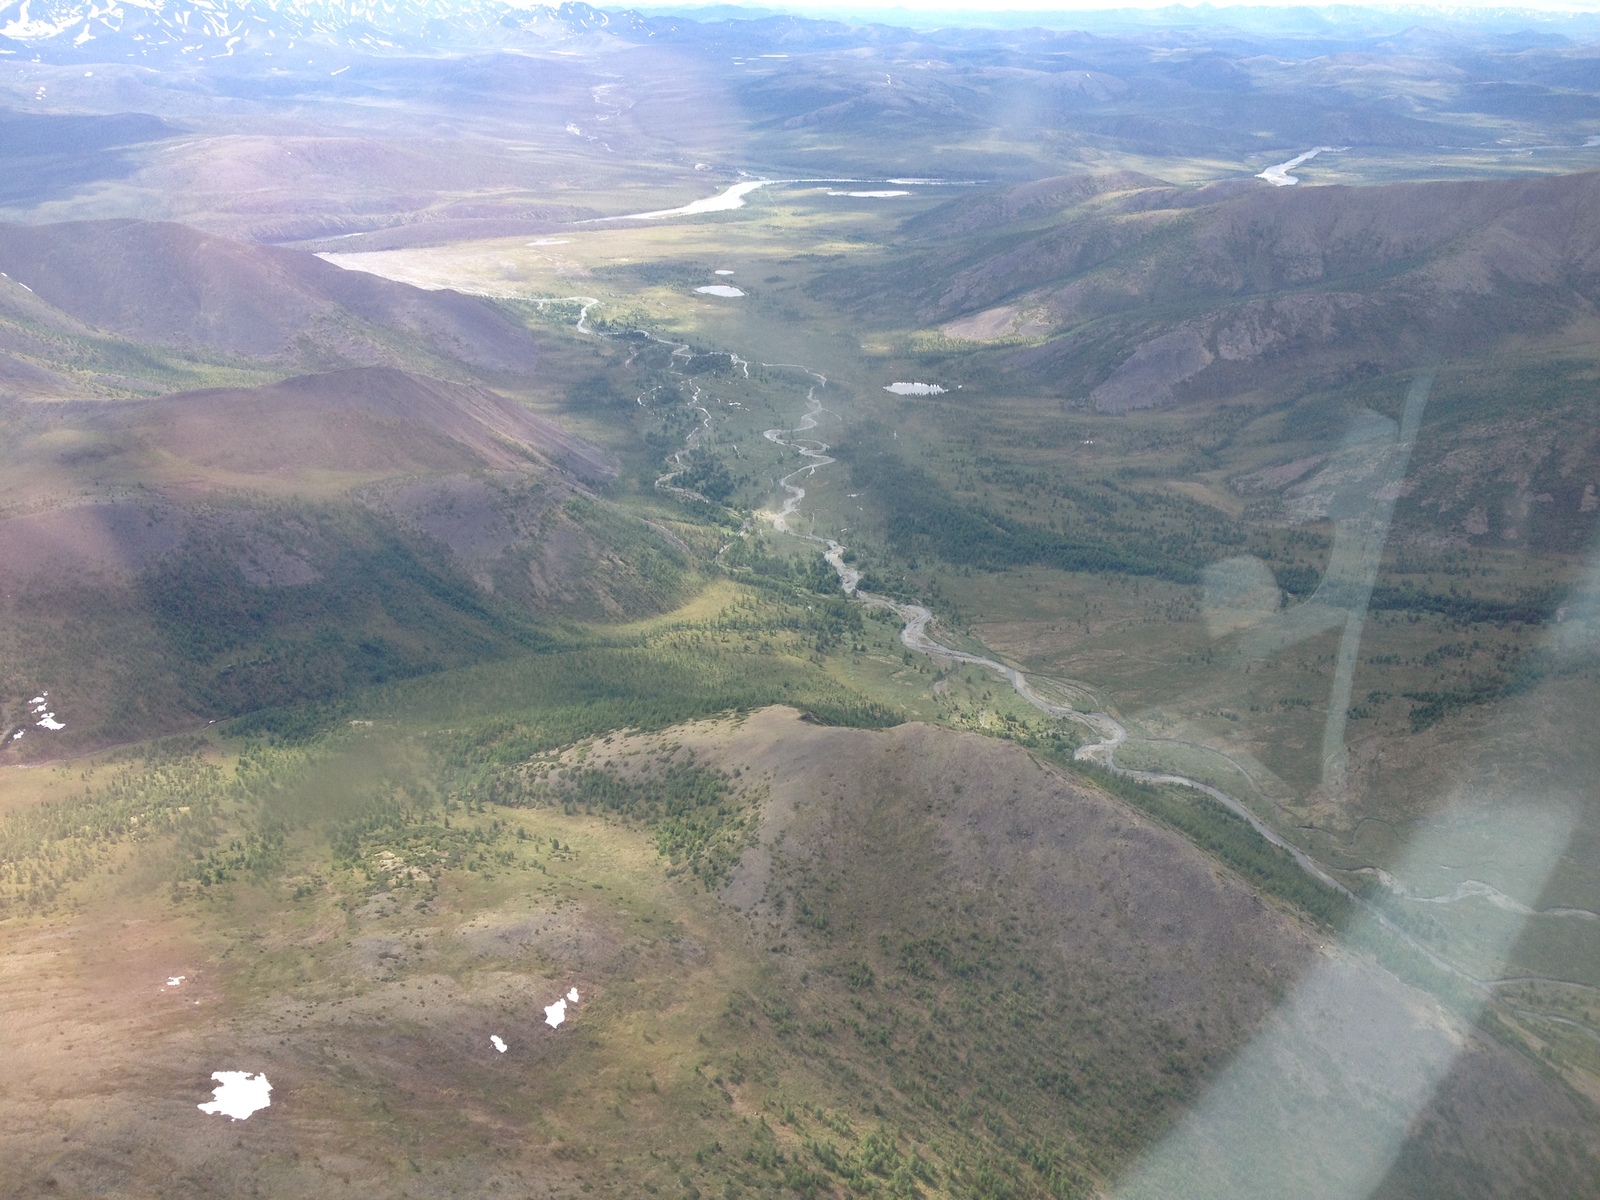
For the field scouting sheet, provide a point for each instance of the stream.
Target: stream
(1111, 733)
(915, 635)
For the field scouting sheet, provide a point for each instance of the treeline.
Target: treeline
(46, 847)
(1231, 838)
(750, 560)
(1432, 705)
(922, 519)
(506, 713)
(381, 606)
(483, 721)
(1531, 609)
(700, 823)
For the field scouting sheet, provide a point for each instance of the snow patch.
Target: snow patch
(497, 1043)
(724, 201)
(870, 195)
(238, 1094)
(555, 1014)
(725, 290)
(914, 389)
(1279, 176)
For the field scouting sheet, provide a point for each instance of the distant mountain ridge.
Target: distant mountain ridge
(233, 27)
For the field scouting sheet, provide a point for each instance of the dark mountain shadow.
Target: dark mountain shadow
(50, 156)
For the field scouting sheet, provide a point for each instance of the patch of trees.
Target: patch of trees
(1229, 837)
(597, 392)
(1430, 706)
(706, 474)
(752, 561)
(922, 519)
(1296, 578)
(383, 606)
(1533, 608)
(700, 823)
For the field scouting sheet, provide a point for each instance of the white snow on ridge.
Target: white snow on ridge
(1279, 176)
(41, 709)
(914, 389)
(497, 1043)
(238, 1094)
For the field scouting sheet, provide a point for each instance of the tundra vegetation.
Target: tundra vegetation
(415, 557)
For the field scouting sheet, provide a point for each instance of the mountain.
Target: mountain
(49, 155)
(789, 94)
(357, 525)
(319, 423)
(1024, 662)
(1128, 294)
(170, 285)
(168, 28)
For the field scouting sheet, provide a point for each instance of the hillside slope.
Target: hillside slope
(1126, 295)
(941, 970)
(214, 552)
(170, 285)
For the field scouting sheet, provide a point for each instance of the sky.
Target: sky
(1048, 6)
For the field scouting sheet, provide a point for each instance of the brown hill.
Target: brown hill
(988, 931)
(171, 285)
(362, 419)
(317, 434)
(1039, 199)
(1144, 296)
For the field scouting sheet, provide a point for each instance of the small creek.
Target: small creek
(915, 635)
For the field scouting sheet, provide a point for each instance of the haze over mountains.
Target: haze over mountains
(984, 612)
(500, 104)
